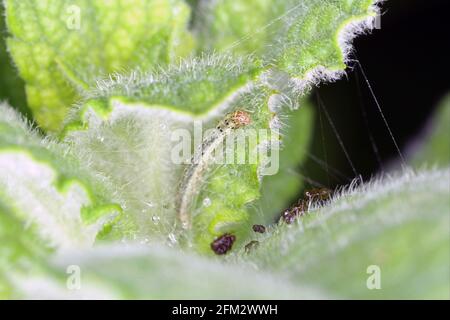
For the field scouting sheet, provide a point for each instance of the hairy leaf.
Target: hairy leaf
(137, 272)
(306, 39)
(125, 133)
(21, 248)
(122, 130)
(434, 149)
(48, 189)
(398, 225)
(62, 47)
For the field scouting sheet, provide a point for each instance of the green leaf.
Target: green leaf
(206, 89)
(399, 224)
(137, 272)
(21, 248)
(434, 149)
(124, 132)
(307, 39)
(194, 86)
(325, 255)
(61, 48)
(236, 25)
(48, 188)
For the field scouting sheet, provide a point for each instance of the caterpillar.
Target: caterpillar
(201, 160)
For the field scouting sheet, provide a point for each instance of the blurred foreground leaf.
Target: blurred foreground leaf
(400, 224)
(434, 149)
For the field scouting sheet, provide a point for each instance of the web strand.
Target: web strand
(338, 137)
(250, 35)
(324, 151)
(380, 110)
(309, 180)
(331, 170)
(366, 122)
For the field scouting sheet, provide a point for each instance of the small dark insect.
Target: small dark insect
(223, 244)
(301, 208)
(259, 228)
(292, 213)
(251, 246)
(318, 195)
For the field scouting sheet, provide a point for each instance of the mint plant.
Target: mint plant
(92, 182)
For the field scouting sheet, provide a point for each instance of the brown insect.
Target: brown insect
(251, 246)
(312, 196)
(259, 228)
(318, 195)
(298, 210)
(223, 244)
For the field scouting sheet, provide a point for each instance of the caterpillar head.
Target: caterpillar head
(238, 119)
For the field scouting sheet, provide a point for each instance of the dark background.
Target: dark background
(407, 62)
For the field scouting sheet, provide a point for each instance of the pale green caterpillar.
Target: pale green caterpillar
(200, 162)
